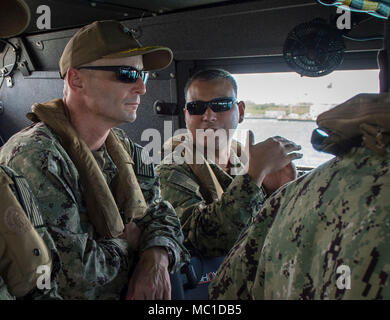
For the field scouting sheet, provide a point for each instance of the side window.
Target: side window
(287, 104)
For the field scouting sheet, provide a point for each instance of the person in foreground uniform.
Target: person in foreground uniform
(215, 199)
(100, 199)
(326, 235)
(28, 258)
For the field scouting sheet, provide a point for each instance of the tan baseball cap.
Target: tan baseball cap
(14, 18)
(110, 39)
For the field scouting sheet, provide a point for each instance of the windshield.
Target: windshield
(287, 104)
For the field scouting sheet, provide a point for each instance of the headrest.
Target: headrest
(14, 17)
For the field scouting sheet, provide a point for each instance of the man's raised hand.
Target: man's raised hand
(269, 156)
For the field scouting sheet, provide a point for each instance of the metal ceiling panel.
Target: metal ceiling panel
(65, 14)
(160, 6)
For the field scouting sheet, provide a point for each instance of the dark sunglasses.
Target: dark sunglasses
(123, 73)
(217, 105)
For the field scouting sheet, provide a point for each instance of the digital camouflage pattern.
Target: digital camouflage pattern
(338, 214)
(4, 294)
(91, 268)
(28, 201)
(210, 228)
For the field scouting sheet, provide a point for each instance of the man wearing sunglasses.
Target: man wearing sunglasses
(213, 201)
(115, 236)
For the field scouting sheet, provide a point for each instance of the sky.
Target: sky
(291, 88)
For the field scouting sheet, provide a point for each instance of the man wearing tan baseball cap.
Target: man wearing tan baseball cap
(101, 200)
(110, 40)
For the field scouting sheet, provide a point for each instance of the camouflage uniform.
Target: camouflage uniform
(30, 207)
(4, 294)
(91, 268)
(210, 228)
(338, 214)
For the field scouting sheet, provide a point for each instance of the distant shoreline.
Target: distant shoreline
(283, 119)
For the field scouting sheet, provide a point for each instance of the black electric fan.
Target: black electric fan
(314, 48)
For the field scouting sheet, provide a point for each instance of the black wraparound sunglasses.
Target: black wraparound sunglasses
(217, 105)
(123, 73)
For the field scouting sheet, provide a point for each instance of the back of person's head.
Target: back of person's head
(211, 74)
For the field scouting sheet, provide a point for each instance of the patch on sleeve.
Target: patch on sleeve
(183, 181)
(26, 198)
(143, 164)
(28, 202)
